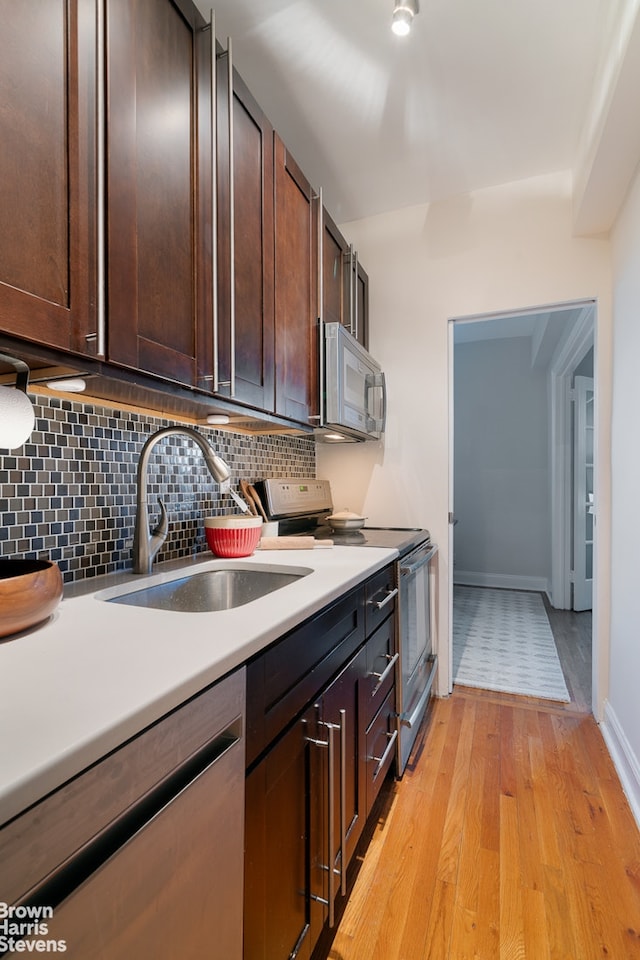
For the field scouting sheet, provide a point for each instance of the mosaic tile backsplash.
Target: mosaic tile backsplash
(69, 494)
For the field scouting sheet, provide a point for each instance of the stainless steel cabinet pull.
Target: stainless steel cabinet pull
(320, 416)
(355, 294)
(350, 288)
(100, 181)
(383, 759)
(231, 383)
(214, 200)
(332, 817)
(330, 744)
(343, 802)
(232, 221)
(379, 604)
(381, 677)
(332, 728)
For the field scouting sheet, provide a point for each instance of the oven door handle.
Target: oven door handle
(410, 568)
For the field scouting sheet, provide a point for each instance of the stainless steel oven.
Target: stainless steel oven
(417, 663)
(301, 507)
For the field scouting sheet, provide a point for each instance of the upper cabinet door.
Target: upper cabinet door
(244, 354)
(157, 215)
(361, 300)
(47, 173)
(335, 254)
(296, 319)
(345, 283)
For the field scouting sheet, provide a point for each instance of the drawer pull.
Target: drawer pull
(381, 677)
(379, 604)
(383, 759)
(331, 870)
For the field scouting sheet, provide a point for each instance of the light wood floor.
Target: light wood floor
(509, 838)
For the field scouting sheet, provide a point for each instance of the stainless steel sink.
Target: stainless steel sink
(210, 590)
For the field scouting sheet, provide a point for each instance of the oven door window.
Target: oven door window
(415, 626)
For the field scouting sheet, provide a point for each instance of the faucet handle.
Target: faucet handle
(159, 533)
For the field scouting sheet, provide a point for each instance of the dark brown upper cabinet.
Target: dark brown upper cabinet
(152, 219)
(48, 174)
(236, 357)
(345, 283)
(296, 289)
(158, 161)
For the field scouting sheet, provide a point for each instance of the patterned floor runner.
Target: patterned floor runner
(502, 640)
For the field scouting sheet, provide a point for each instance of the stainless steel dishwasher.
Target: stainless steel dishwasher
(142, 855)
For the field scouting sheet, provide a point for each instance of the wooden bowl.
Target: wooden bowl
(30, 590)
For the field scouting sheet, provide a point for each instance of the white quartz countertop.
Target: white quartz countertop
(97, 673)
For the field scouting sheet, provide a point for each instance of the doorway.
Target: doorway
(513, 520)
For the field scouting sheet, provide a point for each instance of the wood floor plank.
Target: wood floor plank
(511, 939)
(457, 802)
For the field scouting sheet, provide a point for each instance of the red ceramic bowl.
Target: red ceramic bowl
(233, 536)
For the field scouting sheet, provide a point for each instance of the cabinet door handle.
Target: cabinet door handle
(100, 181)
(381, 677)
(383, 759)
(379, 604)
(331, 818)
(214, 199)
(355, 293)
(343, 802)
(351, 288)
(232, 224)
(231, 382)
(332, 728)
(320, 416)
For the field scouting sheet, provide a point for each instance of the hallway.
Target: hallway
(487, 638)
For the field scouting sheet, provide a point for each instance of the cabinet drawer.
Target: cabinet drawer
(380, 668)
(381, 740)
(284, 678)
(380, 598)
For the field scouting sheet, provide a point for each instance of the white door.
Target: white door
(583, 506)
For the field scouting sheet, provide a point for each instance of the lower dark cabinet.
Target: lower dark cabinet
(283, 848)
(309, 791)
(305, 810)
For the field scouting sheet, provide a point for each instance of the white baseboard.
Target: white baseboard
(508, 581)
(624, 759)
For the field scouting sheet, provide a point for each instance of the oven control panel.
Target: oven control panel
(296, 498)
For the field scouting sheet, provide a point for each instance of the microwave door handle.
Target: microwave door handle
(375, 380)
(383, 384)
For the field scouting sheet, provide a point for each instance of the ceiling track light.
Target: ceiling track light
(403, 13)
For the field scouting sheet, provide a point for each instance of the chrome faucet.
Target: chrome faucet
(145, 543)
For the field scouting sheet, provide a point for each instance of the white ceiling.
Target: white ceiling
(480, 93)
(546, 331)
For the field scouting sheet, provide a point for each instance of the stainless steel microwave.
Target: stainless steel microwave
(354, 395)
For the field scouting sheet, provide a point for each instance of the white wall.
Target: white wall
(623, 709)
(502, 249)
(501, 491)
